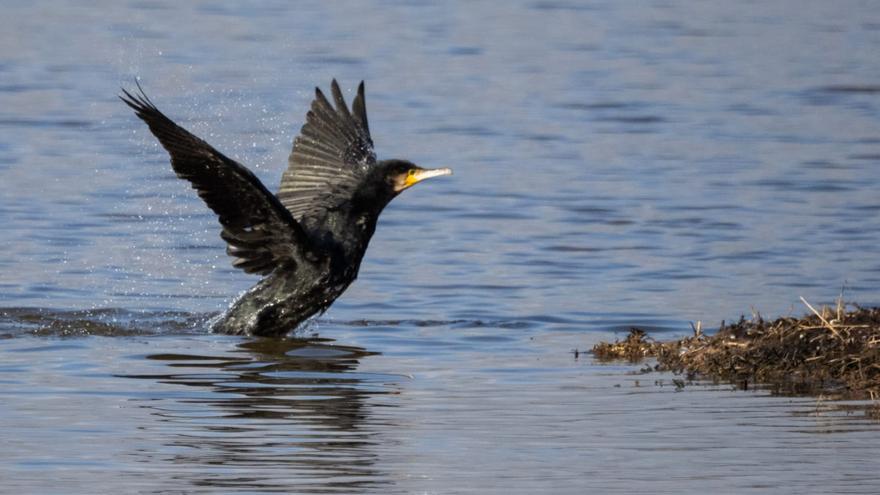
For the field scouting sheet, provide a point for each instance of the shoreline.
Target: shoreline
(831, 352)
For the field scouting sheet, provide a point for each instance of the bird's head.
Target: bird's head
(386, 180)
(401, 174)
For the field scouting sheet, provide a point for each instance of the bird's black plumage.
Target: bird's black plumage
(309, 240)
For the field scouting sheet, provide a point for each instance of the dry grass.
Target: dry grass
(835, 351)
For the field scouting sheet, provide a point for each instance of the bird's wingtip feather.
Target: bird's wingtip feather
(139, 101)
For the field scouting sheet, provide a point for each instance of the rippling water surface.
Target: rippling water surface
(617, 164)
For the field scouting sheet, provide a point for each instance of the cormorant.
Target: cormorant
(309, 240)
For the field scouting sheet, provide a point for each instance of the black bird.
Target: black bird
(309, 240)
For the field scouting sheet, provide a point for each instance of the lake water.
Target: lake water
(616, 164)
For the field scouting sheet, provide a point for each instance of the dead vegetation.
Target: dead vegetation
(835, 351)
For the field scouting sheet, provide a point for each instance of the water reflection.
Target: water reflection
(280, 413)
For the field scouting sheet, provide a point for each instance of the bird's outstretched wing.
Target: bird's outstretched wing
(330, 156)
(260, 233)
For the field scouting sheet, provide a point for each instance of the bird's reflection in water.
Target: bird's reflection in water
(278, 414)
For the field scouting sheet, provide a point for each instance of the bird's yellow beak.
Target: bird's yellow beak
(417, 175)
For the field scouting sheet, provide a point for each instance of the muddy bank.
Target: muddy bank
(835, 351)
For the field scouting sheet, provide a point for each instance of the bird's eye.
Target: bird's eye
(411, 172)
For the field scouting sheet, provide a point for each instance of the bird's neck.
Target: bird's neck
(346, 230)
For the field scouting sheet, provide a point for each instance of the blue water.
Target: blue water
(616, 164)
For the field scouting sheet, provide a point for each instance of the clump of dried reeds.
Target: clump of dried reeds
(635, 347)
(832, 351)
